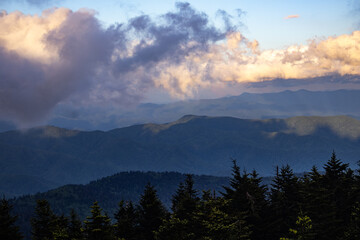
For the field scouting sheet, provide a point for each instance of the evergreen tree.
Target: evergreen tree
(246, 193)
(238, 192)
(185, 200)
(182, 224)
(328, 198)
(151, 213)
(74, 228)
(353, 229)
(338, 181)
(98, 226)
(217, 224)
(247, 200)
(317, 203)
(303, 229)
(8, 229)
(175, 229)
(260, 208)
(285, 200)
(126, 217)
(44, 223)
(209, 221)
(356, 192)
(334, 169)
(60, 231)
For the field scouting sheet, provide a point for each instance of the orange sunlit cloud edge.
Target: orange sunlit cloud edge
(63, 54)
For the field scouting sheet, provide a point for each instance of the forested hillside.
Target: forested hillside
(110, 190)
(323, 204)
(193, 144)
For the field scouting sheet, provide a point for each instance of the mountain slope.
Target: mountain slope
(193, 144)
(247, 105)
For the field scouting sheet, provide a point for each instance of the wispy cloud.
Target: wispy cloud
(292, 16)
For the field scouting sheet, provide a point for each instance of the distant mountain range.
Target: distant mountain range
(247, 105)
(43, 158)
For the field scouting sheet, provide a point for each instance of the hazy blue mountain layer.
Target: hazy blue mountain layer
(193, 144)
(247, 105)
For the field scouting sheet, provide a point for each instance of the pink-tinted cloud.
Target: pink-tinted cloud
(292, 16)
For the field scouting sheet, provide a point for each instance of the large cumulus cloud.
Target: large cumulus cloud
(46, 59)
(69, 56)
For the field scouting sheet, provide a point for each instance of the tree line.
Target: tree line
(319, 205)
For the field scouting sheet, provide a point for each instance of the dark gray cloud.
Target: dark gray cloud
(169, 40)
(100, 66)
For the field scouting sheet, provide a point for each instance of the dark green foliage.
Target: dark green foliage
(74, 227)
(174, 229)
(285, 200)
(329, 198)
(316, 205)
(338, 182)
(8, 229)
(183, 223)
(98, 226)
(217, 223)
(60, 231)
(109, 191)
(207, 221)
(126, 221)
(185, 200)
(247, 198)
(352, 231)
(303, 229)
(44, 223)
(151, 213)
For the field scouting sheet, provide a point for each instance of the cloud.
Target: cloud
(239, 60)
(69, 57)
(323, 81)
(43, 60)
(292, 16)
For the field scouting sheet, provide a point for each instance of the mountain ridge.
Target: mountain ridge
(192, 144)
(282, 104)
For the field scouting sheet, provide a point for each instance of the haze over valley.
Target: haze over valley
(163, 120)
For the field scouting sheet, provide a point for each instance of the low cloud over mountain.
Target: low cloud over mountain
(66, 56)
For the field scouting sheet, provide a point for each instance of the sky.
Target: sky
(263, 20)
(120, 53)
